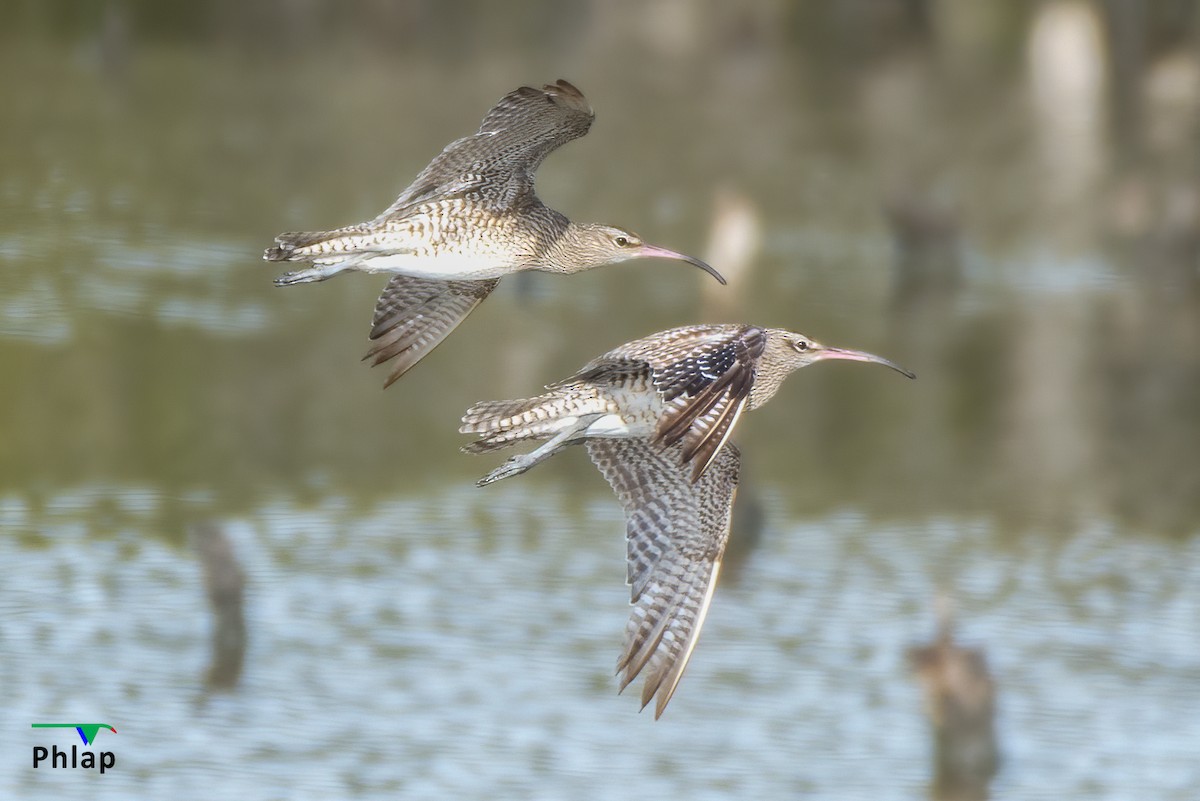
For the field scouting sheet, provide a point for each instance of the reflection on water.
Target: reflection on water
(938, 183)
(463, 643)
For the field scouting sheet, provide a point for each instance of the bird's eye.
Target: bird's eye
(800, 345)
(621, 241)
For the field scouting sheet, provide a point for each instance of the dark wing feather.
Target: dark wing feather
(705, 424)
(704, 373)
(676, 530)
(497, 164)
(706, 390)
(414, 315)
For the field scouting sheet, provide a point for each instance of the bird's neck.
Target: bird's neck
(561, 245)
(767, 382)
(772, 369)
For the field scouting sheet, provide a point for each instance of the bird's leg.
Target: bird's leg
(318, 272)
(516, 465)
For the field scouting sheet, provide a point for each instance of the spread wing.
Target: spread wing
(496, 165)
(704, 375)
(414, 315)
(676, 530)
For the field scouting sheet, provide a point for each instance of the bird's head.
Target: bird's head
(592, 245)
(796, 350)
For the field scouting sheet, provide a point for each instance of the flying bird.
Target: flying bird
(470, 218)
(656, 415)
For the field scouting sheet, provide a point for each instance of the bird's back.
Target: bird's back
(703, 376)
(686, 385)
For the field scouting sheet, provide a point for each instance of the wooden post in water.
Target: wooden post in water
(225, 583)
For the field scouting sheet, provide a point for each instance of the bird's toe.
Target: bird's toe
(297, 277)
(513, 467)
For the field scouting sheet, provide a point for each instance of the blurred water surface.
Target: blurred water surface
(999, 201)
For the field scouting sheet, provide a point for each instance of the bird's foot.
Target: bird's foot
(302, 277)
(515, 466)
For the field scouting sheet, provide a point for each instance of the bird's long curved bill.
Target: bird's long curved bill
(655, 252)
(861, 356)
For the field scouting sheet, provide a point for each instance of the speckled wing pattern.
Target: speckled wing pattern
(676, 530)
(414, 315)
(496, 165)
(704, 374)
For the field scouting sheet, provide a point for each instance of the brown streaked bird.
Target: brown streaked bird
(470, 218)
(656, 415)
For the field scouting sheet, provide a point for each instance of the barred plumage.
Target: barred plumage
(656, 415)
(468, 219)
(414, 315)
(676, 532)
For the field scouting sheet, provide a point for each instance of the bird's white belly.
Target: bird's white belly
(639, 415)
(616, 426)
(445, 266)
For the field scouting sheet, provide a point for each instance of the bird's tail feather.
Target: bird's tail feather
(503, 423)
(308, 245)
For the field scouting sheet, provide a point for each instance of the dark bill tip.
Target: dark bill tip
(863, 356)
(655, 252)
